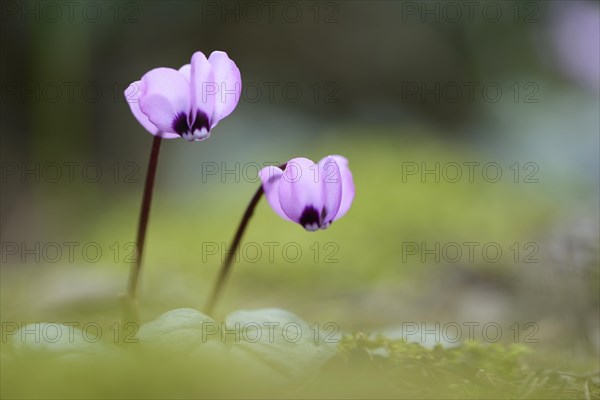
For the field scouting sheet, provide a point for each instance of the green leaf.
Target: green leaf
(279, 339)
(60, 340)
(181, 328)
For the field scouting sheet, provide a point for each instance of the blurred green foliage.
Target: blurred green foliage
(365, 367)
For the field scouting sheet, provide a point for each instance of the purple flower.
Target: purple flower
(312, 195)
(188, 102)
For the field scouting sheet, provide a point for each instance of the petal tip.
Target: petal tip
(198, 54)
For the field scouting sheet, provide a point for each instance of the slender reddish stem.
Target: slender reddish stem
(134, 275)
(226, 267)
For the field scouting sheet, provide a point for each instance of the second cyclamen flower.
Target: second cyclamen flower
(188, 102)
(312, 195)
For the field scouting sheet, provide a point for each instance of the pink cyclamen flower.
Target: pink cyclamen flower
(312, 195)
(188, 102)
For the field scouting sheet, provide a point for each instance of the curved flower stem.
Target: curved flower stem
(134, 273)
(226, 267)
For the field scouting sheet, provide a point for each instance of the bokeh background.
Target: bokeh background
(386, 84)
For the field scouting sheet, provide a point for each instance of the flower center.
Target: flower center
(192, 127)
(311, 220)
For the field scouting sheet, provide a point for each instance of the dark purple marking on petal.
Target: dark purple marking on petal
(180, 124)
(309, 216)
(200, 122)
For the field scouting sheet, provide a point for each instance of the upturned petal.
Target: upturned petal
(203, 91)
(228, 79)
(186, 70)
(331, 181)
(165, 100)
(347, 186)
(132, 96)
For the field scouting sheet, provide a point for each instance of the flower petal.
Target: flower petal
(330, 180)
(186, 70)
(297, 188)
(203, 86)
(132, 95)
(165, 98)
(229, 80)
(270, 177)
(347, 186)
